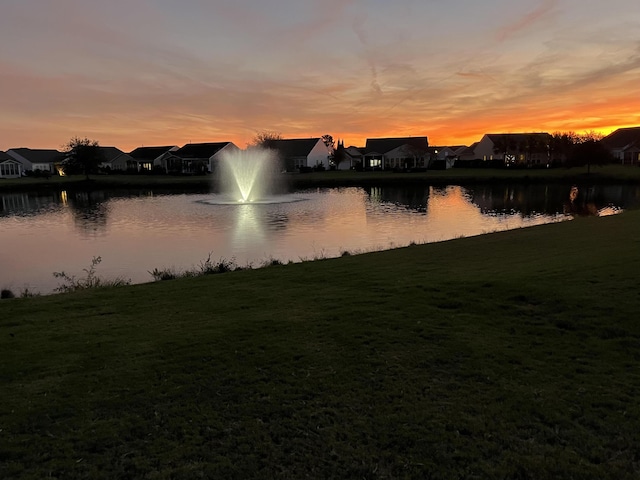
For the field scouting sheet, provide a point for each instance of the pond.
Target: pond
(138, 231)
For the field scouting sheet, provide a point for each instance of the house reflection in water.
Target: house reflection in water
(22, 204)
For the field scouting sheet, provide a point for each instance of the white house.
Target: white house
(9, 166)
(301, 153)
(197, 157)
(624, 145)
(353, 158)
(148, 158)
(44, 160)
(515, 148)
(401, 152)
(446, 156)
(116, 159)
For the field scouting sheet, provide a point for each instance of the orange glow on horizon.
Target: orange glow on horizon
(463, 135)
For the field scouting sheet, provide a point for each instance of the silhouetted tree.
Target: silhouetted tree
(589, 151)
(339, 154)
(330, 144)
(561, 145)
(504, 145)
(82, 156)
(531, 144)
(264, 139)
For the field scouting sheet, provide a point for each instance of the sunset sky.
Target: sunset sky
(168, 72)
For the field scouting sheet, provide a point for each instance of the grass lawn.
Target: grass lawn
(510, 355)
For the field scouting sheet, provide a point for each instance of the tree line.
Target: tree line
(84, 156)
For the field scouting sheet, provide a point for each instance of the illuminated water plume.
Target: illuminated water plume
(248, 176)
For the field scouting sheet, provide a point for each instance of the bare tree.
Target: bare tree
(588, 151)
(264, 139)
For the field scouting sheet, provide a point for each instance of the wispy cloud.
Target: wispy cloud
(528, 20)
(132, 72)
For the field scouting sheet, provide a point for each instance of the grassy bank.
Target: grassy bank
(511, 355)
(607, 174)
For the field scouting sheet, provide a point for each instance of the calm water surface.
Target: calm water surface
(136, 232)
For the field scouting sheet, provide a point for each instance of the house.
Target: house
(445, 157)
(115, 159)
(624, 145)
(353, 158)
(396, 153)
(149, 158)
(9, 166)
(466, 154)
(515, 148)
(300, 154)
(43, 160)
(195, 158)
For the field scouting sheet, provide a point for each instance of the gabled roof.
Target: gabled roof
(5, 156)
(467, 151)
(516, 137)
(354, 151)
(384, 145)
(150, 153)
(622, 138)
(297, 147)
(111, 153)
(200, 150)
(38, 155)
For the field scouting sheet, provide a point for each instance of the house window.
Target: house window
(146, 166)
(376, 162)
(9, 169)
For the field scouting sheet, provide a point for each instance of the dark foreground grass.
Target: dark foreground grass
(511, 355)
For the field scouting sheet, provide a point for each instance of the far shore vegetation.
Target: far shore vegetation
(511, 355)
(597, 174)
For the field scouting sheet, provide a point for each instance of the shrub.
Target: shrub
(164, 274)
(71, 283)
(6, 293)
(208, 267)
(26, 293)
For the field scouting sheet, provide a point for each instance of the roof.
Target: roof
(150, 153)
(622, 138)
(111, 153)
(297, 147)
(5, 156)
(39, 155)
(384, 145)
(354, 151)
(464, 150)
(200, 150)
(516, 137)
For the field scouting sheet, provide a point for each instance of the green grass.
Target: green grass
(609, 173)
(511, 355)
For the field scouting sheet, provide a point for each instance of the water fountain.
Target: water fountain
(249, 176)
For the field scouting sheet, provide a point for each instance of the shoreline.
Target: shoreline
(599, 175)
